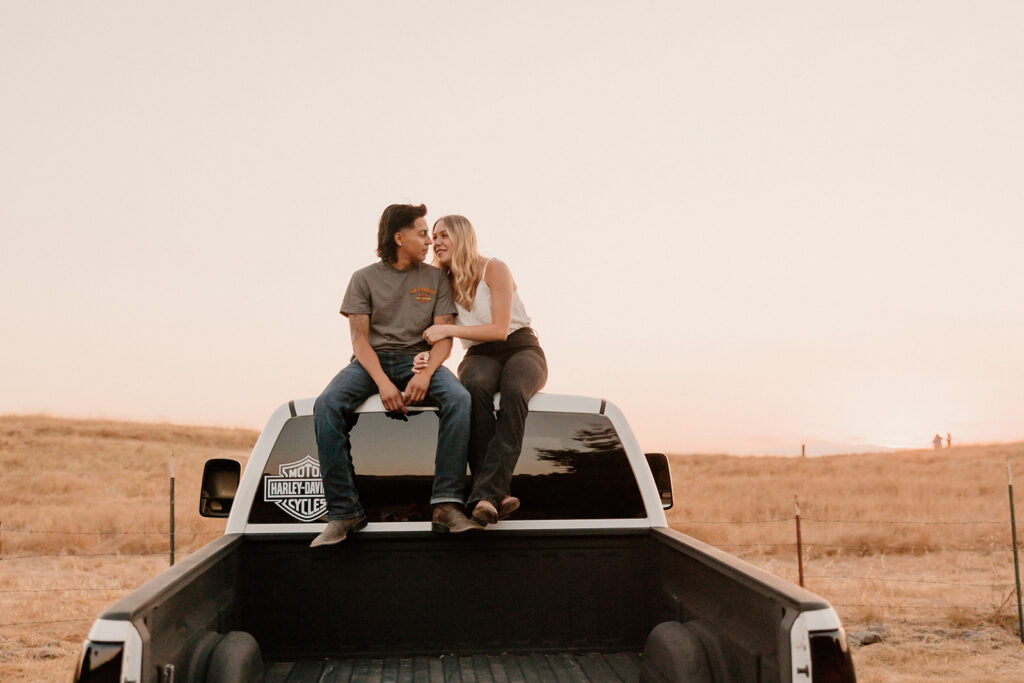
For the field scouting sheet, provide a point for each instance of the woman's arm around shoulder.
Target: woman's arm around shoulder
(499, 280)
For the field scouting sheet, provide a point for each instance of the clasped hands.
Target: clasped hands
(395, 401)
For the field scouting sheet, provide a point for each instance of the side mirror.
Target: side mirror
(220, 482)
(658, 463)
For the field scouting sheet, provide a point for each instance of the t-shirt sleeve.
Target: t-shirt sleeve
(444, 304)
(357, 297)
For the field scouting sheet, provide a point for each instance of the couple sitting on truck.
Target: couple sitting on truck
(403, 314)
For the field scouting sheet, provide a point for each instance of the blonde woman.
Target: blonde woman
(502, 355)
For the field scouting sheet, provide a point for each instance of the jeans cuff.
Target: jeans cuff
(449, 498)
(335, 516)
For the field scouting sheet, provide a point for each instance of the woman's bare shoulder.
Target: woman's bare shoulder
(497, 271)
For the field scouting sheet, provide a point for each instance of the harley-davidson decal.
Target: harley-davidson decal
(297, 489)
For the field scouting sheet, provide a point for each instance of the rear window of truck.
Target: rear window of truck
(572, 466)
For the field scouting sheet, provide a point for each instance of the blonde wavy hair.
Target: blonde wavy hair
(463, 270)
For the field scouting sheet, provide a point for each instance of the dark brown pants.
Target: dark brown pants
(518, 369)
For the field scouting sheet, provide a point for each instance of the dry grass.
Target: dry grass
(98, 484)
(912, 580)
(916, 544)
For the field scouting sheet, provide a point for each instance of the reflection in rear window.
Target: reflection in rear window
(573, 466)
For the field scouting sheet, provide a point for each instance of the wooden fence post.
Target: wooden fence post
(172, 508)
(1016, 560)
(799, 542)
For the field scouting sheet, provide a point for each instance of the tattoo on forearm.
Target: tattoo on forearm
(447, 319)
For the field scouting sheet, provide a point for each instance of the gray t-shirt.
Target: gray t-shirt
(400, 303)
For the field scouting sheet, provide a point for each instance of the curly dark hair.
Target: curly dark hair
(394, 218)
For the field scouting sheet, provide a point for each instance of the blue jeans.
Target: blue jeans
(334, 416)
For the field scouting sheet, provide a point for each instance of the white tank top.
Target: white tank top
(480, 313)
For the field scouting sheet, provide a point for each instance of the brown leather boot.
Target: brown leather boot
(337, 530)
(485, 513)
(509, 504)
(449, 519)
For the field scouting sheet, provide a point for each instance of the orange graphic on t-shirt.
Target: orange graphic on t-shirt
(423, 294)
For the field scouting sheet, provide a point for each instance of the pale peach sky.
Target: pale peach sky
(749, 225)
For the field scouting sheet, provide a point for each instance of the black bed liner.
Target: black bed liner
(501, 668)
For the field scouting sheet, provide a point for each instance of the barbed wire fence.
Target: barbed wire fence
(798, 546)
(5, 557)
(6, 531)
(171, 533)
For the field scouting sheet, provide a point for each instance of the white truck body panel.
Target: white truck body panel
(800, 639)
(107, 631)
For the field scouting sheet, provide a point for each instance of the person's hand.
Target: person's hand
(416, 389)
(391, 397)
(436, 333)
(421, 361)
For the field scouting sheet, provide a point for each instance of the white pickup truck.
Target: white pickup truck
(585, 582)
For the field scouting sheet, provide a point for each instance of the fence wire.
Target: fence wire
(894, 521)
(929, 608)
(739, 522)
(110, 533)
(839, 521)
(67, 590)
(876, 550)
(7, 558)
(838, 577)
(52, 621)
(902, 549)
(880, 550)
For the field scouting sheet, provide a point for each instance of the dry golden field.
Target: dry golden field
(914, 545)
(110, 483)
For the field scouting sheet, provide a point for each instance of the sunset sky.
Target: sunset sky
(750, 225)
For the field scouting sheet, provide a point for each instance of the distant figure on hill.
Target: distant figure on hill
(937, 441)
(949, 440)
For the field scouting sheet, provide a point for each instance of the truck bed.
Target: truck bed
(533, 667)
(369, 610)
